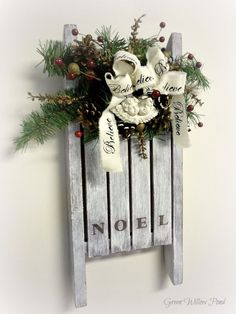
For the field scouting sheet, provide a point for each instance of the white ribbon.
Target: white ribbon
(109, 139)
(179, 121)
(131, 76)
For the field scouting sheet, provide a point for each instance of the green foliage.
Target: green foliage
(91, 94)
(194, 118)
(111, 42)
(50, 51)
(195, 77)
(39, 126)
(89, 136)
(140, 48)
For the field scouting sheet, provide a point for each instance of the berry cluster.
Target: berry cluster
(84, 57)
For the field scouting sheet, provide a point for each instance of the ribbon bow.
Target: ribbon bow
(131, 76)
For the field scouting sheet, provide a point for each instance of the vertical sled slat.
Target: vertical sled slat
(141, 198)
(119, 205)
(75, 201)
(162, 190)
(97, 205)
(174, 252)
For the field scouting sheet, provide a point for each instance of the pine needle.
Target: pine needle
(39, 126)
(51, 50)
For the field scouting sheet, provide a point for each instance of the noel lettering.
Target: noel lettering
(122, 224)
(109, 143)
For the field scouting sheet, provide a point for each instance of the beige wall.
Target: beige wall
(34, 263)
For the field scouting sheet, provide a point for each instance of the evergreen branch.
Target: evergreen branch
(140, 48)
(193, 117)
(89, 136)
(60, 99)
(39, 126)
(50, 51)
(195, 77)
(111, 42)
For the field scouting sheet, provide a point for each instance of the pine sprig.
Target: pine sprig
(50, 51)
(59, 99)
(140, 48)
(111, 42)
(41, 125)
(194, 117)
(195, 77)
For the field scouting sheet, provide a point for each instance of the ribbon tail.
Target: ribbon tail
(109, 139)
(179, 121)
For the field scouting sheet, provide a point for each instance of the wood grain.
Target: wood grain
(141, 198)
(162, 225)
(96, 200)
(120, 205)
(174, 252)
(75, 201)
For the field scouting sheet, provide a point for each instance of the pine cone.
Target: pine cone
(83, 50)
(162, 122)
(125, 129)
(89, 115)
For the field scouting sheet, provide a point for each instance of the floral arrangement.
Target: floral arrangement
(122, 88)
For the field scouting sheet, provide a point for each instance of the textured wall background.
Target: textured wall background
(34, 255)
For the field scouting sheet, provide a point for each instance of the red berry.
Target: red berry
(190, 56)
(155, 93)
(200, 124)
(91, 64)
(162, 24)
(78, 133)
(75, 31)
(71, 76)
(198, 65)
(59, 62)
(190, 108)
(100, 39)
(162, 39)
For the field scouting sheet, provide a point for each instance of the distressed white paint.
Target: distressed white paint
(96, 201)
(120, 205)
(141, 198)
(174, 252)
(112, 196)
(162, 190)
(75, 201)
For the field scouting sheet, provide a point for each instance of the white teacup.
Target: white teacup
(125, 63)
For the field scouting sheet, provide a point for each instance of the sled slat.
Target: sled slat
(174, 252)
(119, 205)
(162, 190)
(96, 200)
(141, 198)
(75, 201)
